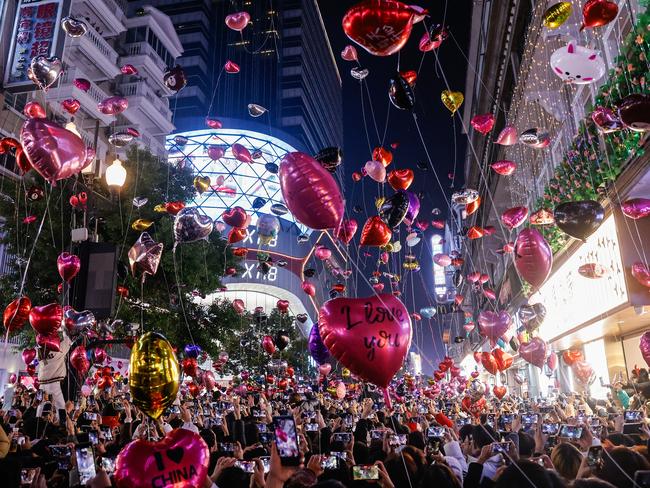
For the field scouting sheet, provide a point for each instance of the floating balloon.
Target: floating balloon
(577, 64)
(464, 197)
(644, 345)
(572, 356)
(46, 319)
(401, 179)
(268, 345)
(381, 27)
(592, 270)
(504, 167)
(493, 325)
(514, 217)
(634, 111)
(532, 316)
(483, 123)
(579, 219)
(71, 105)
(310, 192)
(369, 336)
(268, 227)
(346, 231)
(533, 257)
(68, 266)
(330, 158)
(144, 255)
(452, 100)
(236, 235)
(414, 208)
(238, 21)
(641, 273)
(428, 312)
(255, 110)
(400, 93)
(82, 84)
(584, 373)
(536, 138)
(235, 217)
(606, 120)
(556, 15)
(542, 217)
(317, 349)
(596, 13)
(507, 137)
(503, 359)
(394, 209)
(359, 73)
(231, 67)
(201, 184)
(113, 105)
(375, 232)
(73, 27)
(190, 226)
(78, 322)
(44, 71)
(433, 38)
(442, 259)
(16, 314)
(489, 363)
(534, 351)
(375, 170)
(349, 53)
(175, 79)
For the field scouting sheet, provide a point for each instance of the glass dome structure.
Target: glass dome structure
(253, 185)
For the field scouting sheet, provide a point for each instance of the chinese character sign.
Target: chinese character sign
(35, 34)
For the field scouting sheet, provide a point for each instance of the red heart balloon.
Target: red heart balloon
(173, 208)
(49, 342)
(283, 305)
(499, 391)
(180, 460)
(438, 375)
(596, 13)
(489, 363)
(28, 355)
(375, 232)
(68, 266)
(235, 217)
(189, 366)
(71, 105)
(551, 361)
(79, 361)
(641, 273)
(583, 371)
(369, 336)
(238, 21)
(346, 231)
(309, 288)
(236, 234)
(534, 351)
(268, 345)
(46, 319)
(16, 313)
(503, 359)
(474, 408)
(477, 356)
(400, 179)
(483, 123)
(381, 27)
(504, 167)
(571, 356)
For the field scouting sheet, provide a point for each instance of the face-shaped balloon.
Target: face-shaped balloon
(577, 64)
(144, 255)
(154, 374)
(175, 79)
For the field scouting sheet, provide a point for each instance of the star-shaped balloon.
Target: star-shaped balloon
(145, 255)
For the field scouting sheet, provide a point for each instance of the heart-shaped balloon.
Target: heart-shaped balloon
(572, 356)
(78, 322)
(369, 336)
(531, 316)
(309, 288)
(268, 345)
(235, 217)
(375, 232)
(507, 137)
(504, 167)
(641, 273)
(400, 179)
(503, 359)
(493, 324)
(636, 208)
(489, 362)
(381, 27)
(534, 351)
(596, 13)
(349, 53)
(49, 343)
(74, 27)
(644, 346)
(181, 459)
(533, 257)
(215, 152)
(54, 152)
(28, 355)
(144, 256)
(44, 71)
(113, 105)
(231, 67)
(514, 217)
(317, 349)
(346, 230)
(325, 369)
(238, 21)
(71, 105)
(551, 361)
(606, 120)
(475, 408)
(201, 184)
(282, 305)
(46, 319)
(190, 226)
(322, 253)
(68, 266)
(499, 391)
(583, 372)
(241, 153)
(452, 100)
(79, 360)
(16, 313)
(236, 235)
(483, 123)
(579, 219)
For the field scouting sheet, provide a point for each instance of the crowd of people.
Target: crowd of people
(306, 438)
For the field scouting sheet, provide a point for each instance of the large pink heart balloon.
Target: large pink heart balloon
(644, 345)
(534, 351)
(493, 324)
(238, 21)
(68, 266)
(514, 217)
(46, 319)
(346, 231)
(507, 137)
(533, 257)
(179, 460)
(54, 152)
(483, 123)
(636, 208)
(369, 336)
(310, 192)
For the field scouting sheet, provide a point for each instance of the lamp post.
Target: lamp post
(115, 175)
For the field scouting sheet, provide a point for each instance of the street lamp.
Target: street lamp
(115, 175)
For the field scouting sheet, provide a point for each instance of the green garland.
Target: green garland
(586, 170)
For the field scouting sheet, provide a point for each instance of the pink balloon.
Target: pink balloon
(369, 336)
(82, 83)
(49, 342)
(215, 152)
(504, 167)
(267, 344)
(508, 136)
(583, 371)
(238, 21)
(349, 53)
(325, 369)
(346, 231)
(322, 253)
(341, 390)
(238, 305)
(441, 259)
(641, 273)
(493, 324)
(99, 355)
(514, 217)
(13, 378)
(636, 208)
(113, 105)
(534, 351)
(54, 152)
(241, 153)
(68, 266)
(181, 455)
(309, 288)
(644, 345)
(310, 192)
(483, 123)
(474, 277)
(551, 361)
(376, 171)
(533, 257)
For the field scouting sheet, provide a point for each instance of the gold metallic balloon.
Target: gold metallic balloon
(379, 201)
(202, 183)
(452, 100)
(154, 374)
(557, 14)
(388, 247)
(141, 224)
(345, 372)
(160, 208)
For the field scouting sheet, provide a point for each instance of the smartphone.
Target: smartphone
(227, 407)
(397, 440)
(435, 432)
(434, 444)
(489, 420)
(286, 440)
(83, 438)
(529, 418)
(227, 447)
(594, 456)
(93, 437)
(642, 479)
(39, 395)
(506, 418)
(311, 427)
(597, 430)
(257, 413)
(108, 465)
(85, 463)
(344, 437)
(572, 432)
(266, 462)
(463, 421)
(550, 429)
(347, 420)
(90, 416)
(20, 440)
(107, 433)
(266, 437)
(376, 434)
(329, 462)
(262, 428)
(633, 416)
(423, 409)
(363, 473)
(340, 454)
(27, 476)
(246, 466)
(500, 447)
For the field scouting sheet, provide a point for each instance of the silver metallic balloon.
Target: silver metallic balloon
(476, 389)
(256, 110)
(358, 73)
(120, 139)
(74, 27)
(44, 71)
(78, 322)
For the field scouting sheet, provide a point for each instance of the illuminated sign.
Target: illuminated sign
(439, 277)
(571, 299)
(35, 33)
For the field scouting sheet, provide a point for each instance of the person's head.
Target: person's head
(483, 435)
(618, 439)
(525, 474)
(235, 477)
(591, 483)
(303, 478)
(566, 458)
(210, 439)
(526, 444)
(440, 476)
(619, 465)
(416, 439)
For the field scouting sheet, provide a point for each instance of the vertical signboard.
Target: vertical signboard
(36, 33)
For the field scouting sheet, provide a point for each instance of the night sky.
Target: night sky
(436, 125)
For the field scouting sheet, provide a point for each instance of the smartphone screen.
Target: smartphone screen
(85, 463)
(642, 479)
(227, 447)
(266, 462)
(286, 440)
(311, 427)
(633, 416)
(500, 447)
(108, 465)
(27, 476)
(246, 466)
(362, 473)
(594, 456)
(573, 432)
(435, 431)
(550, 429)
(329, 462)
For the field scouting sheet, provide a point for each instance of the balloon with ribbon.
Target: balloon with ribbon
(16, 314)
(400, 93)
(644, 346)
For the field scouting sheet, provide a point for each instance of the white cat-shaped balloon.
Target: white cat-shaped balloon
(577, 64)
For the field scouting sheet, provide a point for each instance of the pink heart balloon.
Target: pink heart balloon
(534, 351)
(235, 217)
(99, 355)
(636, 208)
(238, 21)
(442, 259)
(641, 273)
(113, 105)
(310, 192)
(483, 123)
(514, 217)
(238, 305)
(644, 345)
(28, 355)
(325, 369)
(54, 152)
(493, 324)
(82, 84)
(215, 152)
(551, 361)
(46, 319)
(474, 277)
(346, 231)
(369, 336)
(231, 67)
(508, 136)
(241, 153)
(533, 257)
(180, 459)
(323, 253)
(504, 167)
(309, 288)
(68, 266)
(349, 53)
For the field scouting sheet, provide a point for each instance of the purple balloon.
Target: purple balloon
(514, 217)
(192, 351)
(636, 208)
(493, 324)
(310, 192)
(533, 257)
(316, 347)
(113, 105)
(644, 345)
(534, 351)
(414, 208)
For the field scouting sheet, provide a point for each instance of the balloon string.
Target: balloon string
(180, 295)
(31, 253)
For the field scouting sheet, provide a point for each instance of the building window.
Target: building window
(292, 51)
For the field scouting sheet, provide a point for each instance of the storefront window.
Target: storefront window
(595, 354)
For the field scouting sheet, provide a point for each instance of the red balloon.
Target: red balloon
(369, 336)
(113, 105)
(596, 13)
(310, 192)
(34, 110)
(499, 391)
(503, 359)
(268, 345)
(236, 235)
(514, 217)
(400, 179)
(375, 232)
(533, 257)
(381, 27)
(641, 273)
(572, 356)
(551, 361)
(346, 231)
(235, 217)
(241, 153)
(283, 306)
(483, 123)
(383, 155)
(489, 362)
(68, 266)
(583, 371)
(54, 152)
(181, 456)
(504, 167)
(79, 360)
(46, 319)
(238, 305)
(28, 355)
(238, 21)
(16, 313)
(309, 288)
(49, 342)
